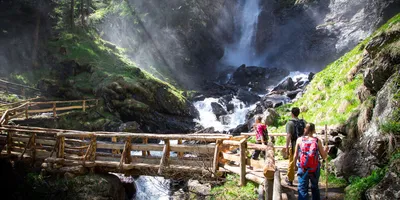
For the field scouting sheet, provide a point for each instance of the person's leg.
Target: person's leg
(314, 185)
(256, 153)
(290, 173)
(303, 185)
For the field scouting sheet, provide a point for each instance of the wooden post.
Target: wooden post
(145, 140)
(84, 105)
(243, 157)
(326, 163)
(54, 110)
(216, 157)
(9, 142)
(23, 91)
(97, 102)
(115, 151)
(128, 158)
(33, 147)
(94, 148)
(165, 157)
(180, 154)
(26, 111)
(268, 188)
(61, 147)
(277, 190)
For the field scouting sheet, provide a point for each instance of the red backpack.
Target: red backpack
(308, 154)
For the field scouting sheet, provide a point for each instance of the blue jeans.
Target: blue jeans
(304, 178)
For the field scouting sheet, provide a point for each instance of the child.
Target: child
(261, 137)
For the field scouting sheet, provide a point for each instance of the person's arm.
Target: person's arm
(296, 151)
(322, 151)
(288, 135)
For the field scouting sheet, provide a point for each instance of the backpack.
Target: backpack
(308, 155)
(299, 126)
(264, 133)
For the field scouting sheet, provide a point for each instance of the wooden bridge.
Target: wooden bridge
(201, 155)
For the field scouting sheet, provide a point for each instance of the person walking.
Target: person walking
(308, 149)
(261, 135)
(294, 129)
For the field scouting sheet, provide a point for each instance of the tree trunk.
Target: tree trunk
(72, 13)
(82, 13)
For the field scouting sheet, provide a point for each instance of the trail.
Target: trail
(334, 193)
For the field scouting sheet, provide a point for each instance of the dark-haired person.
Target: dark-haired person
(294, 129)
(261, 137)
(308, 149)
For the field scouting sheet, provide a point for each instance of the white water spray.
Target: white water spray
(243, 52)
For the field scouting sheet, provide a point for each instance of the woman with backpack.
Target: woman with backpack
(307, 151)
(261, 135)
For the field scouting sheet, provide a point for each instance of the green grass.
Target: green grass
(331, 97)
(358, 186)
(333, 181)
(231, 190)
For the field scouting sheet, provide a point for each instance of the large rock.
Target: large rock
(239, 129)
(270, 116)
(389, 187)
(287, 84)
(275, 100)
(247, 97)
(218, 110)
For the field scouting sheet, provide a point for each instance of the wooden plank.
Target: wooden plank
(165, 157)
(251, 177)
(232, 143)
(33, 147)
(39, 141)
(269, 134)
(243, 157)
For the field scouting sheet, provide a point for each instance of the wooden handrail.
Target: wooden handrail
(19, 85)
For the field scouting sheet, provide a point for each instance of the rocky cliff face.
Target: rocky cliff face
(311, 34)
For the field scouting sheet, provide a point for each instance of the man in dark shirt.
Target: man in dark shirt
(290, 144)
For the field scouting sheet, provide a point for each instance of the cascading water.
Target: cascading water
(243, 50)
(232, 120)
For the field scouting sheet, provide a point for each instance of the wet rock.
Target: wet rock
(275, 99)
(217, 109)
(230, 107)
(311, 76)
(259, 109)
(202, 190)
(270, 116)
(225, 119)
(207, 130)
(247, 97)
(245, 76)
(293, 94)
(225, 99)
(132, 127)
(288, 84)
(375, 77)
(239, 129)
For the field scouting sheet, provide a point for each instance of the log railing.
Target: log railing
(30, 107)
(129, 153)
(16, 88)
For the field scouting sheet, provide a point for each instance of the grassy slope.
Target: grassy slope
(331, 97)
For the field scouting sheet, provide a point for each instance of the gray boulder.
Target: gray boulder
(270, 116)
(218, 110)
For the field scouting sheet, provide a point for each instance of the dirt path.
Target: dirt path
(291, 192)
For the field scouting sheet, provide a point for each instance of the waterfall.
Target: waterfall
(243, 52)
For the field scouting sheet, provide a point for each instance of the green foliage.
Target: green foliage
(333, 181)
(358, 186)
(391, 127)
(280, 141)
(231, 190)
